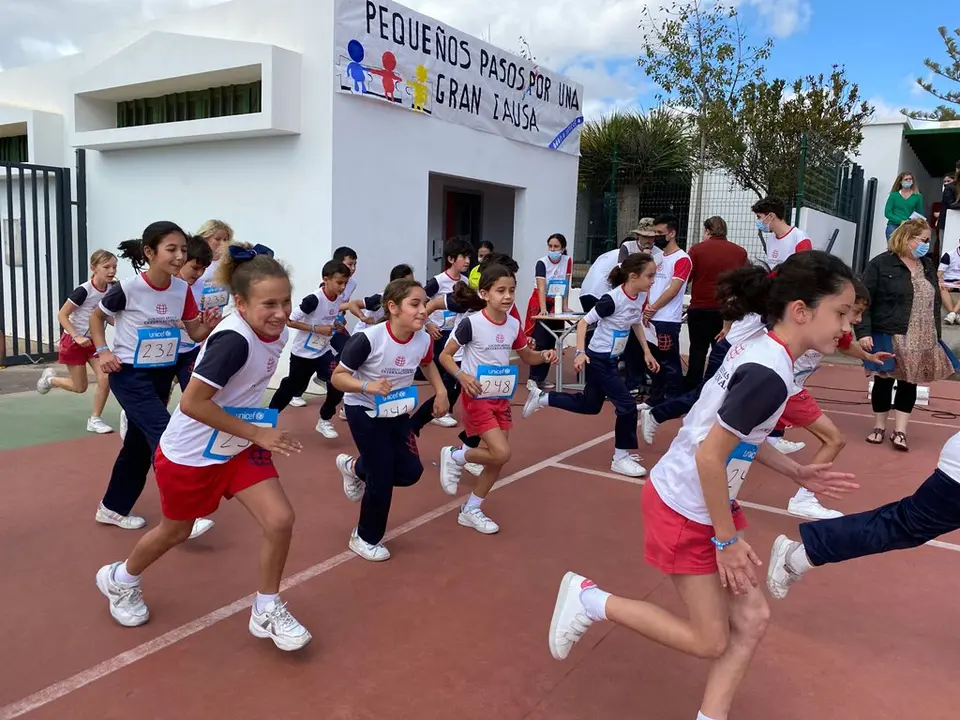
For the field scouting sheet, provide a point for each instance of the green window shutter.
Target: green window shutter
(195, 105)
(14, 149)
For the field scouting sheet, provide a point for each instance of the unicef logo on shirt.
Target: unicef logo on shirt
(258, 416)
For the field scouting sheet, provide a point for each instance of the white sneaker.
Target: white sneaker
(642, 406)
(477, 520)
(127, 522)
(533, 402)
(352, 485)
(570, 619)
(342, 414)
(787, 447)
(373, 553)
(298, 402)
(97, 425)
(648, 426)
(951, 318)
(43, 384)
(276, 623)
(810, 508)
(475, 469)
(326, 428)
(200, 526)
(449, 471)
(779, 576)
(628, 466)
(447, 421)
(126, 601)
(123, 424)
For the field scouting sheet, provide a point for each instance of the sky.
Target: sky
(596, 42)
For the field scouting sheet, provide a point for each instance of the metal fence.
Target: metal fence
(42, 259)
(825, 180)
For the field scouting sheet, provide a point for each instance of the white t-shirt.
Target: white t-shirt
(186, 344)
(210, 295)
(239, 364)
(137, 305)
(373, 304)
(675, 266)
(950, 265)
(485, 342)
(85, 297)
(554, 273)
(949, 461)
(615, 314)
(780, 248)
(746, 328)
(595, 283)
(373, 353)
(442, 284)
(746, 396)
(315, 309)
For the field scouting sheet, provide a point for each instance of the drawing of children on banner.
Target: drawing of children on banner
(388, 76)
(354, 73)
(419, 89)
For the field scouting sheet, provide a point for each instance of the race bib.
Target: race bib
(156, 347)
(399, 402)
(317, 343)
(557, 287)
(214, 297)
(497, 382)
(222, 446)
(448, 318)
(649, 334)
(619, 340)
(738, 463)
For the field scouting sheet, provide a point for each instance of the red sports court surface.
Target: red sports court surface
(455, 624)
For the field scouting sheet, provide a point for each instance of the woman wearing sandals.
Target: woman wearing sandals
(904, 319)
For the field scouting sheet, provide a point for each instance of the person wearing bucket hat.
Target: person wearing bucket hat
(641, 240)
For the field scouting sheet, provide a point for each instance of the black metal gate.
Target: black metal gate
(43, 257)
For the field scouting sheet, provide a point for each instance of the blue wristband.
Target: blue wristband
(101, 349)
(722, 544)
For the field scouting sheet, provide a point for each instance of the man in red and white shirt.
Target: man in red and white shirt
(665, 308)
(782, 240)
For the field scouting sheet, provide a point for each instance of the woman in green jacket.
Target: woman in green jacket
(904, 200)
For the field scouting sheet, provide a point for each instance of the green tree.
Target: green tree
(753, 128)
(950, 72)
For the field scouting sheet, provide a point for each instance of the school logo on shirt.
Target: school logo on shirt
(271, 365)
(775, 254)
(499, 337)
(400, 361)
(736, 351)
(161, 309)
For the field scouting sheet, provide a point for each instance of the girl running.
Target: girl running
(616, 314)
(219, 443)
(692, 523)
(199, 258)
(486, 337)
(376, 372)
(369, 310)
(147, 310)
(553, 273)
(77, 350)
(312, 353)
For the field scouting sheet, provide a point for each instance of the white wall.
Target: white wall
(382, 186)
(820, 226)
(879, 156)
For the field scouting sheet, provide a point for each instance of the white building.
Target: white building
(244, 111)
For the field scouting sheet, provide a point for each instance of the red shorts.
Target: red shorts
(801, 410)
(479, 416)
(677, 545)
(188, 493)
(73, 354)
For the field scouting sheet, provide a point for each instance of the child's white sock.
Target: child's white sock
(701, 716)
(473, 502)
(122, 576)
(595, 602)
(619, 454)
(797, 561)
(544, 400)
(263, 600)
(460, 456)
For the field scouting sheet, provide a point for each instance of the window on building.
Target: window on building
(13, 149)
(194, 105)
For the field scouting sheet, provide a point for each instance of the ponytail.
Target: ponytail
(633, 264)
(743, 291)
(467, 298)
(132, 250)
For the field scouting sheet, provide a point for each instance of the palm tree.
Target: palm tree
(633, 148)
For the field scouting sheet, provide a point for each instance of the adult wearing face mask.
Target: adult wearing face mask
(903, 201)
(904, 319)
(665, 308)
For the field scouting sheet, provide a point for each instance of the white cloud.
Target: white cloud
(882, 110)
(47, 50)
(608, 90)
(784, 17)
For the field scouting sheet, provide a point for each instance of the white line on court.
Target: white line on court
(870, 415)
(118, 662)
(743, 503)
